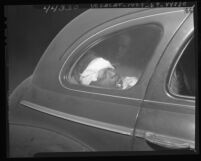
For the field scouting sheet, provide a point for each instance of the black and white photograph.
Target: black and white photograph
(101, 78)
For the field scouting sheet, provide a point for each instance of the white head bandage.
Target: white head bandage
(91, 73)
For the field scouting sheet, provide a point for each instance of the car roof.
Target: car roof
(93, 17)
(79, 26)
(85, 22)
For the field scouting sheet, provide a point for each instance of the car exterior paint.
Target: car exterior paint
(108, 120)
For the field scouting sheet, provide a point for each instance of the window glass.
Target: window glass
(118, 60)
(183, 78)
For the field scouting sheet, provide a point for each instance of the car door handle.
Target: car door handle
(166, 141)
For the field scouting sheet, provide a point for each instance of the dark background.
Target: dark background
(29, 31)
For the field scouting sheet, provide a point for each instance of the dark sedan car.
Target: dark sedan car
(111, 80)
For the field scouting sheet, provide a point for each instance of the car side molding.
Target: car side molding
(81, 120)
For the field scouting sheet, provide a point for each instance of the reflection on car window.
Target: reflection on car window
(117, 62)
(183, 77)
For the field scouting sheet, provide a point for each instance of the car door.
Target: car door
(115, 111)
(167, 117)
(104, 118)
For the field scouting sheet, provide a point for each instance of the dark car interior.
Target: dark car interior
(128, 50)
(183, 79)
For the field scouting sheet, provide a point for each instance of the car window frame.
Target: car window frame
(175, 63)
(139, 90)
(105, 37)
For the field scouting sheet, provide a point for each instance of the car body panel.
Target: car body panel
(164, 114)
(42, 140)
(103, 120)
(21, 122)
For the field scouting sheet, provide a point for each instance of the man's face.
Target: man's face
(107, 78)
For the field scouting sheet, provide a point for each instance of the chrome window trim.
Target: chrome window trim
(81, 120)
(169, 92)
(72, 52)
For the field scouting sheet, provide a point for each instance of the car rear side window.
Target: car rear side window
(182, 81)
(118, 60)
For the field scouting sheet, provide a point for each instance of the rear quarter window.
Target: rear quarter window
(118, 60)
